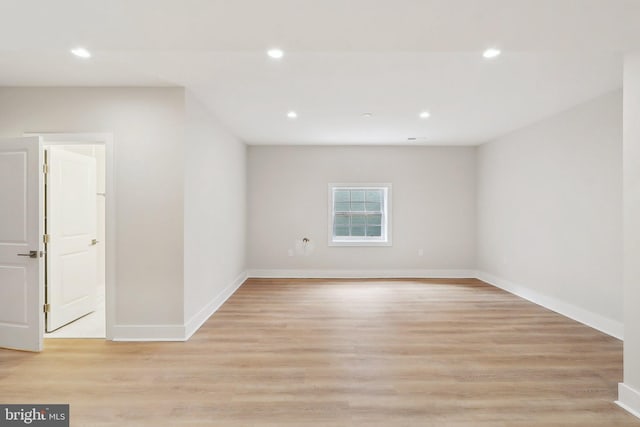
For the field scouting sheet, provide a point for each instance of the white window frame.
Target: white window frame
(385, 240)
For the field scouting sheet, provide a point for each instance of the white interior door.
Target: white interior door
(21, 231)
(71, 225)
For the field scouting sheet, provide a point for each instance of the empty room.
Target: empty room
(320, 213)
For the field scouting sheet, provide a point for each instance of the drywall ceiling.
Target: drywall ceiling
(342, 58)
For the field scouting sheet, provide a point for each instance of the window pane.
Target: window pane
(357, 207)
(341, 196)
(359, 214)
(357, 230)
(374, 230)
(341, 231)
(374, 196)
(342, 206)
(374, 219)
(357, 195)
(358, 220)
(342, 220)
(373, 207)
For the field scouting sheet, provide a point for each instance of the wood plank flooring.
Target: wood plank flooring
(340, 353)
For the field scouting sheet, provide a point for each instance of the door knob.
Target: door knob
(31, 254)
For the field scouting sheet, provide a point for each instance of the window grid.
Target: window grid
(358, 214)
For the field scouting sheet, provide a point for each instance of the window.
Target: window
(360, 215)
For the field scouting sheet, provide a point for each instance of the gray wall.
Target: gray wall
(550, 210)
(630, 390)
(433, 207)
(148, 129)
(214, 212)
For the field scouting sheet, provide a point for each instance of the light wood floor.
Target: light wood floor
(340, 353)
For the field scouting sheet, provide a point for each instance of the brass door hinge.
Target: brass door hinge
(47, 308)
(46, 238)
(45, 168)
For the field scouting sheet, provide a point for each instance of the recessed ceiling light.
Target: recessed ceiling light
(425, 115)
(292, 114)
(81, 52)
(367, 115)
(275, 53)
(491, 53)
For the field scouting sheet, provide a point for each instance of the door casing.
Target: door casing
(105, 139)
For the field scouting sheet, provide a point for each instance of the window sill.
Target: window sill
(361, 243)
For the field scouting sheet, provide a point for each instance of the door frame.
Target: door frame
(106, 139)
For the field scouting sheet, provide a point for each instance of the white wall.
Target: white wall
(214, 213)
(148, 129)
(629, 392)
(550, 212)
(433, 208)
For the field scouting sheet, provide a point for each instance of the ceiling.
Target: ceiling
(343, 58)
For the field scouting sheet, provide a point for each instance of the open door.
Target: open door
(72, 258)
(21, 244)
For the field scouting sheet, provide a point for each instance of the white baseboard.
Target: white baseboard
(629, 399)
(212, 306)
(360, 274)
(177, 332)
(596, 321)
(148, 333)
(184, 332)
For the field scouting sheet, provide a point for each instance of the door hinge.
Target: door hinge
(45, 238)
(45, 168)
(47, 308)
